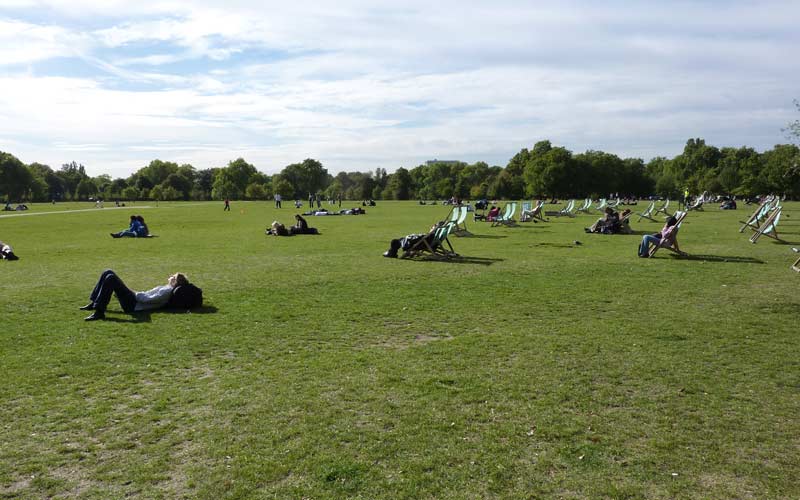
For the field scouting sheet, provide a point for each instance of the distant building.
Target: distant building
(443, 162)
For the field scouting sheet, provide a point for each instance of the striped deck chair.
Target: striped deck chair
(614, 203)
(461, 223)
(568, 209)
(433, 244)
(757, 217)
(587, 206)
(538, 213)
(507, 218)
(671, 242)
(648, 214)
(663, 209)
(525, 211)
(769, 227)
(601, 204)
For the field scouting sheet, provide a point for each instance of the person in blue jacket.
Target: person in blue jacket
(135, 229)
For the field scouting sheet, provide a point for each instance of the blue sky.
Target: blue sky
(362, 84)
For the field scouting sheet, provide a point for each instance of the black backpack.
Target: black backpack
(185, 297)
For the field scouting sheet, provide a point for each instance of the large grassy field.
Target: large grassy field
(534, 367)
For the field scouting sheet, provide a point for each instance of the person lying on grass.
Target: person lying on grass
(655, 239)
(109, 283)
(6, 252)
(277, 229)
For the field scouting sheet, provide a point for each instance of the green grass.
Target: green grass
(320, 369)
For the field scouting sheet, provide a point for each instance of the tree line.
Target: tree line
(544, 170)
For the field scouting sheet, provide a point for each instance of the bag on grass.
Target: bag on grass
(186, 297)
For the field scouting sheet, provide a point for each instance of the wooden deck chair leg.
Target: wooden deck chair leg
(796, 265)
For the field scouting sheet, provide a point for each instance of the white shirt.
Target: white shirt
(153, 299)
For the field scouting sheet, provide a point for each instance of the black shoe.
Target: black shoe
(95, 316)
(11, 256)
(390, 255)
(87, 307)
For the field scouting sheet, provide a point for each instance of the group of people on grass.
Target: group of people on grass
(300, 227)
(137, 228)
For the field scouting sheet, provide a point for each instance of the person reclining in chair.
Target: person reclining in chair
(607, 224)
(407, 242)
(655, 239)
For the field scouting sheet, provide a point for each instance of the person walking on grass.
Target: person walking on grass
(109, 283)
(277, 200)
(227, 205)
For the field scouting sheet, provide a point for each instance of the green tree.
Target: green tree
(86, 189)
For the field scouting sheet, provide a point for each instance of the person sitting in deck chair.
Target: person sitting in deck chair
(493, 214)
(655, 239)
(607, 224)
(408, 241)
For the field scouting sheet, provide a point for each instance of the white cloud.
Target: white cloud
(363, 84)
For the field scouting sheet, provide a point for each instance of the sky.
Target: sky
(362, 84)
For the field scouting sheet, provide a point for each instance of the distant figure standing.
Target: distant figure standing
(310, 200)
(319, 201)
(340, 200)
(227, 205)
(277, 200)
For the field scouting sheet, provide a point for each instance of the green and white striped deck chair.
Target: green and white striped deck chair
(663, 209)
(461, 223)
(601, 204)
(507, 218)
(587, 206)
(757, 217)
(568, 209)
(648, 214)
(526, 211)
(769, 228)
(614, 203)
(434, 247)
(538, 212)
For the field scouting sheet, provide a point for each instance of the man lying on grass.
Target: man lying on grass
(156, 298)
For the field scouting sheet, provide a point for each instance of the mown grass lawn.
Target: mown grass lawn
(535, 367)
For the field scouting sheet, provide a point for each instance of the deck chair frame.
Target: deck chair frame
(507, 218)
(435, 247)
(648, 214)
(671, 243)
(769, 228)
(663, 209)
(461, 224)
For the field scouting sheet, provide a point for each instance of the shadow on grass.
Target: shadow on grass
(485, 236)
(145, 316)
(463, 259)
(719, 258)
(557, 245)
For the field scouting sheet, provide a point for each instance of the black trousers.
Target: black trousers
(109, 283)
